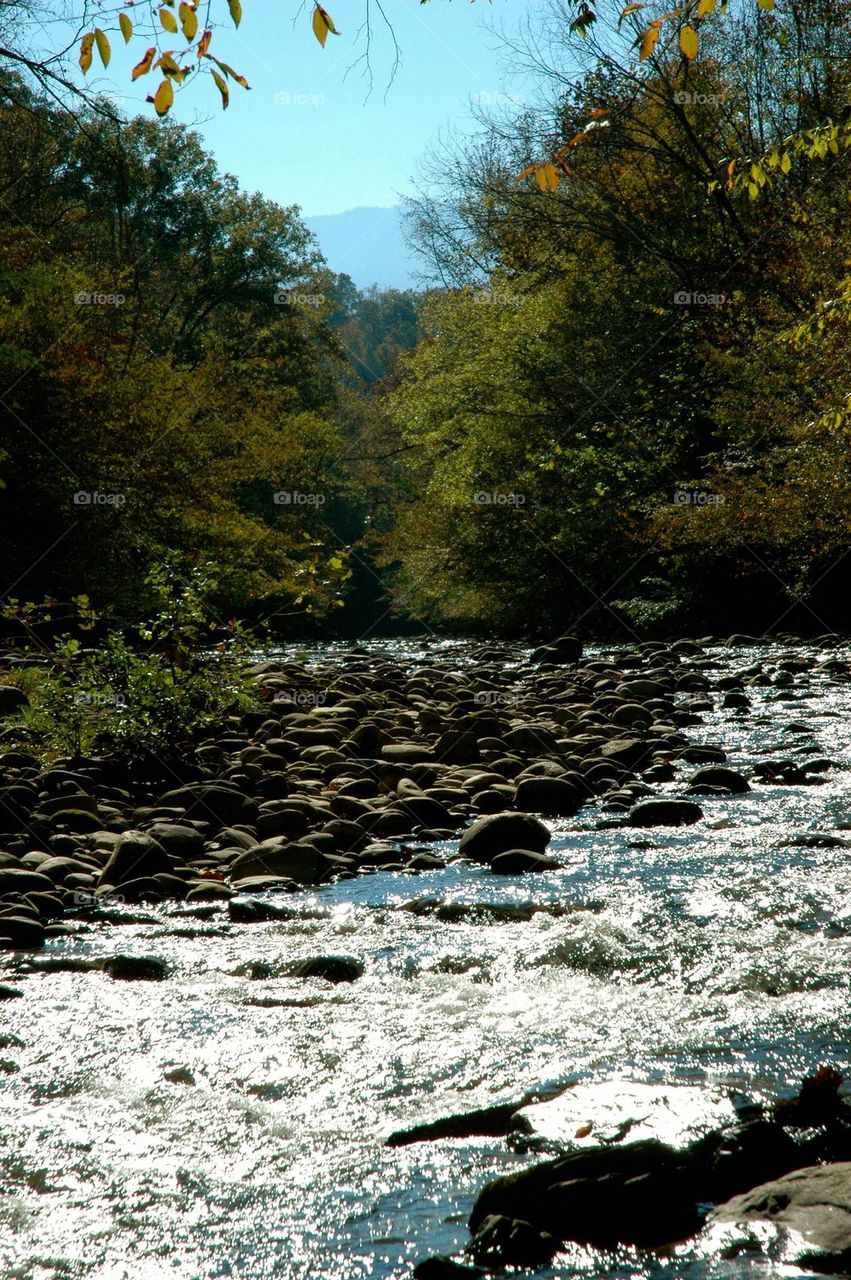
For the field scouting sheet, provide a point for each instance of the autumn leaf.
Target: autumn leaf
(103, 45)
(322, 24)
(142, 68)
(164, 97)
(168, 21)
(170, 66)
(234, 75)
(765, 4)
(630, 8)
(688, 43)
(222, 86)
(126, 27)
(705, 7)
(188, 20)
(235, 11)
(86, 45)
(648, 42)
(204, 43)
(546, 176)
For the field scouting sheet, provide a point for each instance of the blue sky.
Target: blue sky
(307, 133)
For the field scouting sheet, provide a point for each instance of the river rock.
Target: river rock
(216, 804)
(565, 650)
(137, 968)
(665, 813)
(640, 1193)
(247, 910)
(137, 855)
(178, 840)
(509, 1242)
(293, 861)
(441, 1267)
(501, 832)
(804, 1217)
(728, 779)
(554, 797)
(20, 931)
(515, 862)
(331, 968)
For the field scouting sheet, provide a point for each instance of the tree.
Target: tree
(167, 371)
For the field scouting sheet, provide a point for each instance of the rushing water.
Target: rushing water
(716, 955)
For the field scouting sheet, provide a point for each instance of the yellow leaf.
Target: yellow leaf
(188, 20)
(322, 24)
(765, 4)
(164, 97)
(235, 11)
(785, 162)
(221, 84)
(630, 8)
(170, 66)
(204, 43)
(103, 46)
(168, 20)
(688, 43)
(546, 176)
(142, 68)
(126, 27)
(86, 45)
(705, 7)
(648, 42)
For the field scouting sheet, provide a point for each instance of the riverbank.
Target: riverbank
(712, 954)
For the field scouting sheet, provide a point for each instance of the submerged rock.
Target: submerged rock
(137, 968)
(331, 968)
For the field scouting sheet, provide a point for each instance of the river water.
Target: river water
(717, 955)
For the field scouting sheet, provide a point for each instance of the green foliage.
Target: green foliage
(655, 361)
(149, 694)
(168, 370)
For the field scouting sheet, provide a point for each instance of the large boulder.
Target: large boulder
(219, 805)
(641, 1193)
(298, 861)
(136, 856)
(564, 650)
(500, 832)
(552, 796)
(726, 779)
(804, 1217)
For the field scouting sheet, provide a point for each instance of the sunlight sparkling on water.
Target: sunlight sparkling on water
(715, 956)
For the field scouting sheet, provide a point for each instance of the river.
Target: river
(716, 955)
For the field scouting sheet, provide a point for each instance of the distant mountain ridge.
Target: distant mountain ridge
(367, 244)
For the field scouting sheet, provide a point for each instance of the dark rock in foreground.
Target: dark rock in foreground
(508, 1242)
(500, 832)
(642, 1194)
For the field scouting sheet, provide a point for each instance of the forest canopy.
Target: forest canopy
(623, 401)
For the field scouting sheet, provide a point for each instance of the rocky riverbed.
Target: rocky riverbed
(497, 906)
